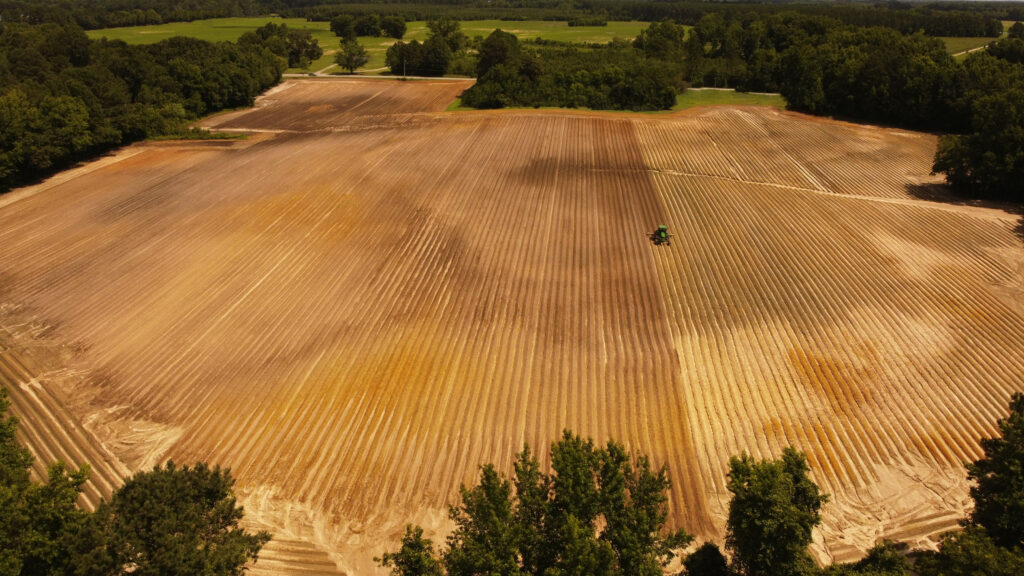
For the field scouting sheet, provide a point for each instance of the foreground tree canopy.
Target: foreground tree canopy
(774, 508)
(998, 492)
(601, 511)
(992, 542)
(170, 521)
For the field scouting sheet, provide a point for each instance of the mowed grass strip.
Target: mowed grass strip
(230, 29)
(719, 97)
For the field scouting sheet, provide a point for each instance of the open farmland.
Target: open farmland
(367, 299)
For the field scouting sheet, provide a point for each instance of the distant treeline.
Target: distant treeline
(874, 74)
(65, 97)
(423, 12)
(602, 77)
(939, 19)
(903, 18)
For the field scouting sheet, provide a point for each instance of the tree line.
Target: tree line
(615, 76)
(932, 20)
(65, 97)
(445, 51)
(171, 521)
(602, 511)
(825, 67)
(818, 63)
(946, 19)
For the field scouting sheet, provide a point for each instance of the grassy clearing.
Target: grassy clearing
(230, 29)
(958, 45)
(692, 98)
(955, 45)
(457, 106)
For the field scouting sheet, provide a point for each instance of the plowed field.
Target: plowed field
(356, 309)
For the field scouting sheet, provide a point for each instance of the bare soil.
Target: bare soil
(356, 310)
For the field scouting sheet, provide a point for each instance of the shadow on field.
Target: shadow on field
(943, 193)
(33, 179)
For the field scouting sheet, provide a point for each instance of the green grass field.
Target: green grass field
(958, 45)
(230, 29)
(692, 98)
(955, 45)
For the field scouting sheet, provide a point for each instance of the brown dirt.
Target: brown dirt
(357, 312)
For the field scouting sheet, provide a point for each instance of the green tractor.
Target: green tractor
(661, 236)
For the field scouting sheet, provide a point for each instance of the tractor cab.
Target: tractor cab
(661, 236)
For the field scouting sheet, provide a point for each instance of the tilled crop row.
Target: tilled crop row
(356, 313)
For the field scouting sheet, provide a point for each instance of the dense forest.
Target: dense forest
(65, 97)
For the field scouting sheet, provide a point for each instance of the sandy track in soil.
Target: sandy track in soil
(356, 312)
